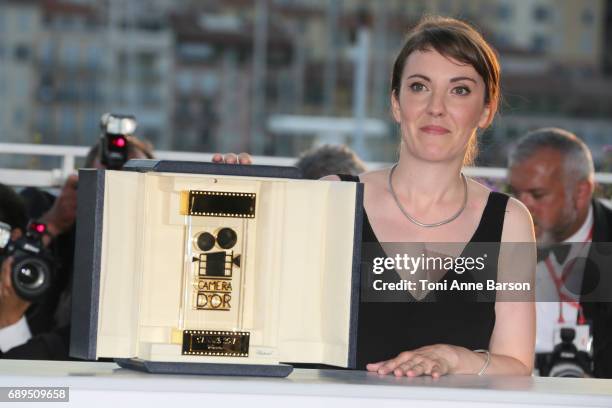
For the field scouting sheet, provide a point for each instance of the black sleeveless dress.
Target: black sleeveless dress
(387, 328)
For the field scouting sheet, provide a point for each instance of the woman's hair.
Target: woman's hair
(457, 40)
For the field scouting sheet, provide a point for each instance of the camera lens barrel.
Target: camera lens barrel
(31, 277)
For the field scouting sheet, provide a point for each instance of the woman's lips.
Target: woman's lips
(435, 130)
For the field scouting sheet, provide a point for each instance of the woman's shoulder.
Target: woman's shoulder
(518, 224)
(374, 177)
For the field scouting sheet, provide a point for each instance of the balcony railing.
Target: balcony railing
(69, 155)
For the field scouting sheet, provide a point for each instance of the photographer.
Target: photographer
(551, 172)
(14, 329)
(48, 321)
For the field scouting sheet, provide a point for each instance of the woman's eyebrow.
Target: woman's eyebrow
(463, 78)
(419, 76)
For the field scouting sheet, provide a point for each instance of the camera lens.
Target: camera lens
(206, 241)
(227, 238)
(31, 278)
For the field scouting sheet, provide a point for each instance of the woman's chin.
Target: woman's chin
(436, 156)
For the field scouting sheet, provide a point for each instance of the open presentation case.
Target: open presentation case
(215, 269)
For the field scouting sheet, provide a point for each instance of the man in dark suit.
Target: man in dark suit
(551, 172)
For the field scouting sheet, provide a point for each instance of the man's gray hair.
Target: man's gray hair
(577, 163)
(329, 159)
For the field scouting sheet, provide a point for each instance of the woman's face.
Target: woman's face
(439, 107)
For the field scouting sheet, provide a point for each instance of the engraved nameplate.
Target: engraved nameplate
(216, 343)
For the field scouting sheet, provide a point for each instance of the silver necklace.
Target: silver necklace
(422, 224)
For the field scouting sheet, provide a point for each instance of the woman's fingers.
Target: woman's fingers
(390, 365)
(407, 367)
(412, 364)
(232, 158)
(244, 158)
(436, 371)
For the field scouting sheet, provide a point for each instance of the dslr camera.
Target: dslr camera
(32, 271)
(113, 141)
(565, 360)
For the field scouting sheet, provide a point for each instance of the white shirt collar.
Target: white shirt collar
(582, 235)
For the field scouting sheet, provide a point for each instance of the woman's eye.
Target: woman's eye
(417, 87)
(461, 90)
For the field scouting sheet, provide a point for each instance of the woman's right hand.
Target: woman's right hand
(232, 158)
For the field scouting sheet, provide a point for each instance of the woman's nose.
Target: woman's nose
(436, 106)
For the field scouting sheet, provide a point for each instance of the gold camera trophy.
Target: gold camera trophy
(215, 269)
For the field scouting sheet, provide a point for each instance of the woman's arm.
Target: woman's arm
(513, 341)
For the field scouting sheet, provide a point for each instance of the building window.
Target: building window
(503, 39)
(541, 13)
(540, 43)
(505, 12)
(22, 52)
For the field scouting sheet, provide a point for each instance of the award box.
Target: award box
(185, 267)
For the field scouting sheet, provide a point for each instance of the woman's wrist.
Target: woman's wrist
(470, 362)
(487, 355)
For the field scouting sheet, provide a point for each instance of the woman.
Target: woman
(445, 86)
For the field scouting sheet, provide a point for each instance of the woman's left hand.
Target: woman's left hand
(435, 360)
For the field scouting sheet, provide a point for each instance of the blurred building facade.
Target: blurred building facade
(207, 75)
(19, 33)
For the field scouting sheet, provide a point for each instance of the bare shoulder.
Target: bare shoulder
(478, 191)
(518, 225)
(371, 178)
(375, 177)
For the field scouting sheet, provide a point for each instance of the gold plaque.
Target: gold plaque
(216, 343)
(218, 204)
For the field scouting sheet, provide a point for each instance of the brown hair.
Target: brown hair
(460, 41)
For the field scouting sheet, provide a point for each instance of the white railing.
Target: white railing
(69, 155)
